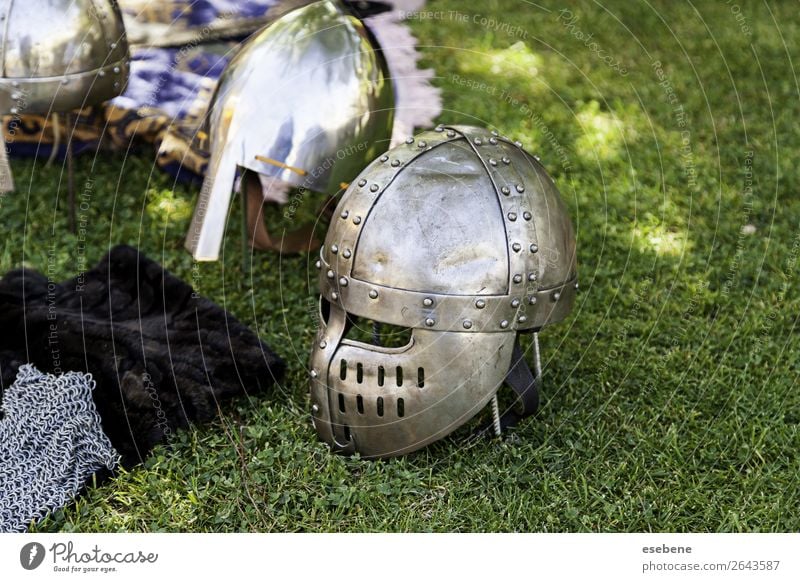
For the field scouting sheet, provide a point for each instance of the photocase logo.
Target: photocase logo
(31, 555)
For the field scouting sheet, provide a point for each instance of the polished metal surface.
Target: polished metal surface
(461, 236)
(59, 55)
(307, 101)
(6, 176)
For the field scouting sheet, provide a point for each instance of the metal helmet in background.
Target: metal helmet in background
(307, 101)
(461, 236)
(59, 55)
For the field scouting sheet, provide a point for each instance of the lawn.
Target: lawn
(669, 399)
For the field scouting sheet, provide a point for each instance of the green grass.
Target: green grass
(670, 397)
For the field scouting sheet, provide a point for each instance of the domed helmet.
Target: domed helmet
(59, 55)
(461, 236)
(307, 101)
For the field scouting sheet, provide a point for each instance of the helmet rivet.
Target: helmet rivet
(505, 190)
(362, 182)
(409, 140)
(395, 163)
(537, 158)
(373, 294)
(323, 344)
(343, 281)
(505, 160)
(534, 248)
(494, 132)
(480, 304)
(520, 188)
(384, 158)
(526, 215)
(314, 373)
(522, 319)
(515, 303)
(576, 286)
(318, 264)
(331, 274)
(556, 296)
(492, 162)
(532, 300)
(374, 188)
(467, 324)
(344, 214)
(532, 277)
(439, 128)
(427, 302)
(518, 144)
(493, 140)
(335, 296)
(517, 278)
(334, 249)
(512, 216)
(346, 254)
(314, 408)
(517, 247)
(478, 141)
(356, 220)
(504, 324)
(430, 322)
(451, 133)
(422, 144)
(116, 69)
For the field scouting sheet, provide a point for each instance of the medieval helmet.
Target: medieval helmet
(307, 101)
(59, 55)
(461, 236)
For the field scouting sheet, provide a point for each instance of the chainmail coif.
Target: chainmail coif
(51, 442)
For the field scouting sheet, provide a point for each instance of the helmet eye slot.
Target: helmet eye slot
(324, 309)
(381, 375)
(401, 408)
(369, 332)
(360, 404)
(341, 404)
(399, 376)
(343, 370)
(420, 377)
(359, 373)
(380, 405)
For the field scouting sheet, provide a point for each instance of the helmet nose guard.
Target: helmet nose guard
(461, 236)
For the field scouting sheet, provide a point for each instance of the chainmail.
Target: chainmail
(51, 442)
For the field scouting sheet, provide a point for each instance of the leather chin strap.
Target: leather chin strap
(525, 385)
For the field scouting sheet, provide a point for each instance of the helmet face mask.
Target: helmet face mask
(387, 401)
(446, 235)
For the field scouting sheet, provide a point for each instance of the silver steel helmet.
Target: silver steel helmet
(461, 236)
(307, 101)
(59, 55)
